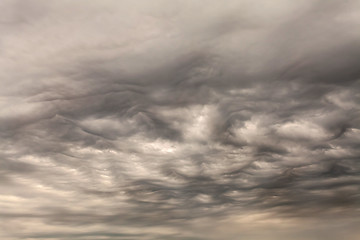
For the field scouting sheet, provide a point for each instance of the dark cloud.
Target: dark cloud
(181, 120)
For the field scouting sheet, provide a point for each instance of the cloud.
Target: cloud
(179, 120)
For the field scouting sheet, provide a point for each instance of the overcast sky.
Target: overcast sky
(179, 120)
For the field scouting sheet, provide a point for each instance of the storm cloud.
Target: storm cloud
(179, 120)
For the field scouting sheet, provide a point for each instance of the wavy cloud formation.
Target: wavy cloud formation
(179, 120)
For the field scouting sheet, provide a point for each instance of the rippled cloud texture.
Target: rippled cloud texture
(180, 120)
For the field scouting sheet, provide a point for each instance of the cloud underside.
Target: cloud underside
(179, 120)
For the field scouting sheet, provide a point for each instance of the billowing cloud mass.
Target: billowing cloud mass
(179, 120)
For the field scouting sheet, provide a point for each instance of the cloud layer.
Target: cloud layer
(179, 120)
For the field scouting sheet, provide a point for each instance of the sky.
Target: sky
(179, 120)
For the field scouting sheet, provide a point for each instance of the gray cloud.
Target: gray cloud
(179, 120)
